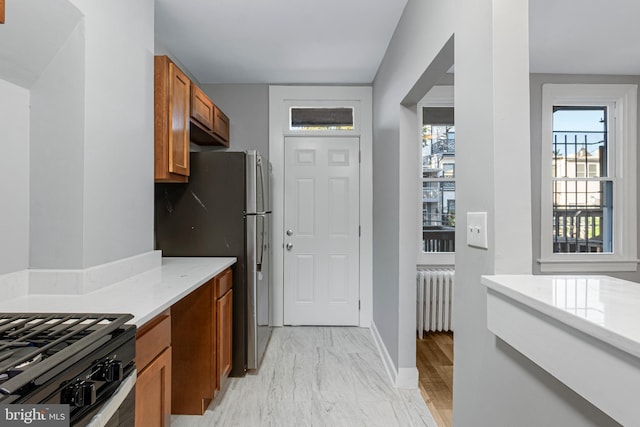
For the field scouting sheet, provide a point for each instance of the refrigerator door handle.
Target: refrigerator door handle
(260, 176)
(260, 235)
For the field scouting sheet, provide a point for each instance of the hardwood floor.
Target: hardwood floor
(435, 374)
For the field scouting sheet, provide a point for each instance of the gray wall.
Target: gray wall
(247, 107)
(493, 384)
(420, 35)
(537, 80)
(14, 178)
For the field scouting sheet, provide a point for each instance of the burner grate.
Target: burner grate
(41, 341)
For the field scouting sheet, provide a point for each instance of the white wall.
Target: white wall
(160, 49)
(118, 147)
(56, 158)
(14, 177)
(92, 141)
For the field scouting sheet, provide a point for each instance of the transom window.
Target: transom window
(321, 118)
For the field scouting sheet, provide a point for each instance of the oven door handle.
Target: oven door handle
(109, 409)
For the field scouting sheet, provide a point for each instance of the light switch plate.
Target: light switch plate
(477, 229)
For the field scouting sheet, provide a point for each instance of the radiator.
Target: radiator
(435, 295)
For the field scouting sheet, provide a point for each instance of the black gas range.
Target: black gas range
(80, 360)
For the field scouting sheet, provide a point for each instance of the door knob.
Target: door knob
(289, 232)
(289, 246)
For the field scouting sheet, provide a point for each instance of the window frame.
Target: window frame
(623, 140)
(354, 104)
(438, 96)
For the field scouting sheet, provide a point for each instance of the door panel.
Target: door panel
(305, 206)
(321, 276)
(179, 88)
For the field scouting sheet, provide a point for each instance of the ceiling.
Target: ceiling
(343, 41)
(32, 35)
(278, 41)
(318, 42)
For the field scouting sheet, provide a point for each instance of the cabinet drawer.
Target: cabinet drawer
(152, 339)
(223, 283)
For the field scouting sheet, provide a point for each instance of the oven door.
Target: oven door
(119, 410)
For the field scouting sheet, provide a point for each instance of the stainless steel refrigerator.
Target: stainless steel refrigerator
(224, 210)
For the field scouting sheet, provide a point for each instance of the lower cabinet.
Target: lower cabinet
(201, 335)
(153, 393)
(224, 332)
(184, 355)
(191, 329)
(153, 361)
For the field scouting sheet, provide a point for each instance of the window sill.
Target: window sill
(587, 265)
(436, 258)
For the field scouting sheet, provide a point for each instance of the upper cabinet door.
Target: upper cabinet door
(221, 126)
(179, 89)
(172, 94)
(202, 108)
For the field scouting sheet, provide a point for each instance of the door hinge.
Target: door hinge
(359, 156)
(358, 304)
(359, 231)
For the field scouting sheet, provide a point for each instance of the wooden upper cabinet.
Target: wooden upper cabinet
(202, 108)
(1, 11)
(209, 125)
(183, 114)
(172, 99)
(221, 126)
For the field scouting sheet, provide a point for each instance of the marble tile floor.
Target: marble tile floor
(315, 376)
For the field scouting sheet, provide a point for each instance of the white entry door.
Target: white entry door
(321, 256)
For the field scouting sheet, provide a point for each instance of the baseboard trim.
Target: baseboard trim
(407, 378)
(384, 354)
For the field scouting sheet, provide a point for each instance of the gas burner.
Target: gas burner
(28, 340)
(20, 354)
(19, 359)
(48, 358)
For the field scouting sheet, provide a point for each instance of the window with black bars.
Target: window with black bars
(438, 180)
(582, 186)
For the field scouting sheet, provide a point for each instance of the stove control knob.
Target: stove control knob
(110, 371)
(79, 394)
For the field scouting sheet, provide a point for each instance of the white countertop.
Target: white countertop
(600, 306)
(145, 295)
